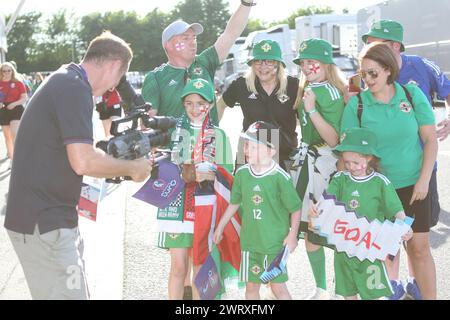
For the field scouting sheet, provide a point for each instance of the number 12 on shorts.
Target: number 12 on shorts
(257, 214)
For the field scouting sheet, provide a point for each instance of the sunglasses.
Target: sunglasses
(269, 63)
(372, 73)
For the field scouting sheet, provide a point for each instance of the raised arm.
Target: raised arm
(233, 30)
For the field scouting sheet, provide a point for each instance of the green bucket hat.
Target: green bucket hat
(316, 49)
(266, 50)
(387, 30)
(360, 140)
(200, 87)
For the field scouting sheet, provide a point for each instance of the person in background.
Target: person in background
(109, 109)
(13, 96)
(37, 81)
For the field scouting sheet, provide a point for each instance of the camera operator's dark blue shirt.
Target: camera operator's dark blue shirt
(44, 189)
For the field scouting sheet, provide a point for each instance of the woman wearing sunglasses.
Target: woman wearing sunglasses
(265, 93)
(13, 96)
(401, 117)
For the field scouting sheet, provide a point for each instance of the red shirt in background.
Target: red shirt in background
(111, 98)
(12, 90)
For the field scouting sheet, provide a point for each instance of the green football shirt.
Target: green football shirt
(373, 197)
(329, 103)
(266, 201)
(223, 157)
(163, 86)
(396, 126)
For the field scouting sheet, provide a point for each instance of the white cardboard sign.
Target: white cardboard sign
(357, 236)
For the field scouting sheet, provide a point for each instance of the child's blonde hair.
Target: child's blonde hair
(332, 73)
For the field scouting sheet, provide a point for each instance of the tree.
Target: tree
(22, 40)
(254, 25)
(215, 18)
(56, 45)
(153, 53)
(212, 14)
(130, 27)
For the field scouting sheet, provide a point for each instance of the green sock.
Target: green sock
(317, 261)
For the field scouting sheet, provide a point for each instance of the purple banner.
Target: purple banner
(162, 191)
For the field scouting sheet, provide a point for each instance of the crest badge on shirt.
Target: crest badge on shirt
(197, 71)
(354, 204)
(256, 269)
(257, 199)
(283, 98)
(13, 85)
(405, 107)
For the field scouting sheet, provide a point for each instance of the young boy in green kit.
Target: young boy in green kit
(269, 205)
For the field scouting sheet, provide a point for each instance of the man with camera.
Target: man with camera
(163, 86)
(54, 149)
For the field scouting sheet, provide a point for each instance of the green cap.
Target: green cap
(266, 50)
(360, 140)
(316, 49)
(200, 87)
(387, 30)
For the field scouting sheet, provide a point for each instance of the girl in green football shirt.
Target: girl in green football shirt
(320, 104)
(370, 194)
(203, 146)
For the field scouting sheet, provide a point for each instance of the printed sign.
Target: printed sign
(162, 191)
(207, 280)
(91, 193)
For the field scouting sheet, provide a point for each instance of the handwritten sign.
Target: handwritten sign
(355, 235)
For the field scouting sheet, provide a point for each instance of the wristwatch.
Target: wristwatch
(248, 4)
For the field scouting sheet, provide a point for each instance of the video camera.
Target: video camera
(131, 143)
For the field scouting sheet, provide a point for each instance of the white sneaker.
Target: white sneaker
(319, 294)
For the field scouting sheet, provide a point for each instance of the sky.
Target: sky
(264, 10)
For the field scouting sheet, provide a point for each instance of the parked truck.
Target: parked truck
(279, 33)
(426, 26)
(338, 29)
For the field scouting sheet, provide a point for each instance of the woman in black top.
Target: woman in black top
(267, 94)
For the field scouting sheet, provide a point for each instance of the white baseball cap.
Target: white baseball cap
(179, 27)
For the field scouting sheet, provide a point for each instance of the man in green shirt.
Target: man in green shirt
(163, 86)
